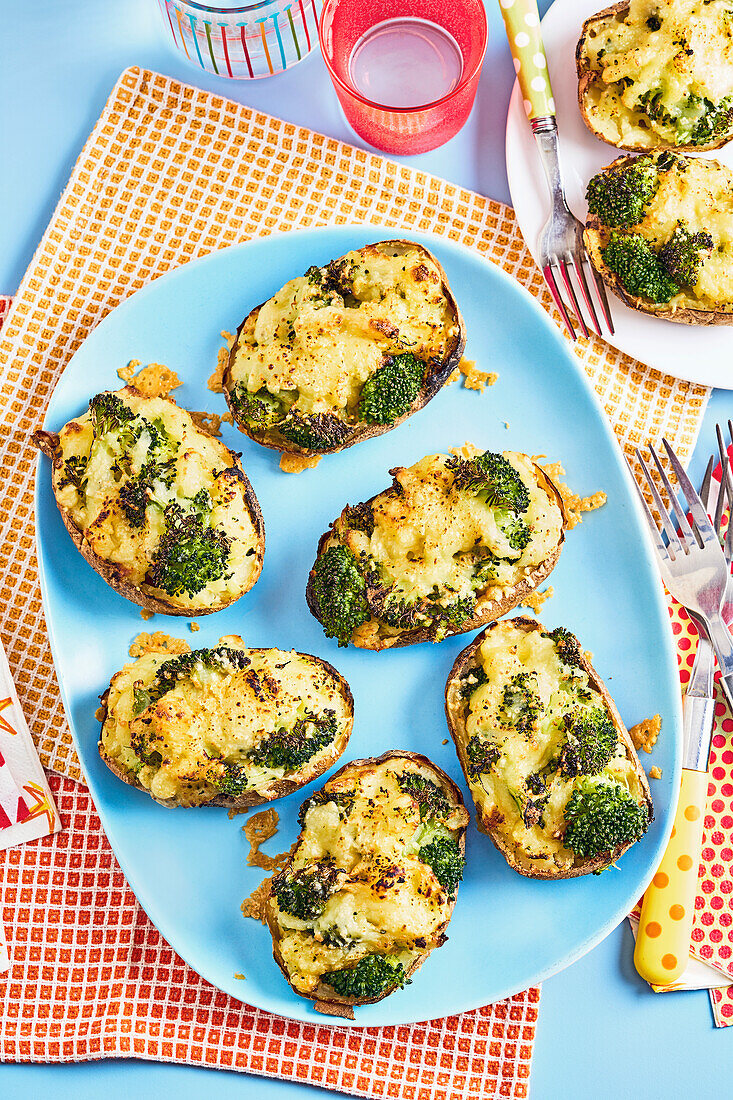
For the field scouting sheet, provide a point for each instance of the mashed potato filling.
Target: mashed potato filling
(502, 793)
(177, 746)
(387, 901)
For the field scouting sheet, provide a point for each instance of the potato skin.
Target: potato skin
(436, 377)
(594, 235)
(279, 788)
(114, 575)
(456, 725)
(326, 1000)
(494, 611)
(587, 77)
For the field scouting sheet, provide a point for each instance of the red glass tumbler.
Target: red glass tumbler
(414, 128)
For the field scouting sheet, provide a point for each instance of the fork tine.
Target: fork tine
(656, 536)
(705, 495)
(675, 545)
(694, 503)
(602, 297)
(682, 521)
(550, 280)
(720, 504)
(571, 294)
(585, 290)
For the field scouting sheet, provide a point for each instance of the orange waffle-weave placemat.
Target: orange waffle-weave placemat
(92, 978)
(168, 174)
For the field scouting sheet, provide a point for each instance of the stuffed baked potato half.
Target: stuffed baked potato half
(552, 770)
(455, 542)
(371, 885)
(346, 351)
(157, 506)
(224, 726)
(660, 234)
(658, 74)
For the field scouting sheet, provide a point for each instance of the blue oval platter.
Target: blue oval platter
(188, 867)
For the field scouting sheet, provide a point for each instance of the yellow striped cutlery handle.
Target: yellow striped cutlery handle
(663, 941)
(522, 22)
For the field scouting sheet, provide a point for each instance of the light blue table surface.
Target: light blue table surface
(601, 1033)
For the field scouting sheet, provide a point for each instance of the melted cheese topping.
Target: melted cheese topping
(690, 54)
(387, 901)
(216, 716)
(315, 349)
(201, 463)
(427, 535)
(501, 794)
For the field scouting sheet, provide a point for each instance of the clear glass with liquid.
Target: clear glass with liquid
(407, 62)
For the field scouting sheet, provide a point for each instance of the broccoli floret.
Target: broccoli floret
(451, 616)
(444, 856)
(566, 645)
(318, 432)
(109, 413)
(520, 705)
(638, 268)
(260, 411)
(343, 799)
(291, 749)
(359, 517)
(481, 755)
(601, 814)
(494, 477)
(304, 893)
(182, 665)
(391, 390)
(340, 593)
(431, 801)
(472, 680)
(136, 494)
(516, 530)
(190, 555)
(620, 196)
(75, 472)
(683, 253)
(370, 978)
(715, 121)
(591, 742)
(232, 782)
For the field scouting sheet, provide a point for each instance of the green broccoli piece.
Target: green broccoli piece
(134, 497)
(683, 253)
(359, 517)
(566, 645)
(637, 266)
(109, 413)
(451, 616)
(232, 782)
(591, 742)
(390, 392)
(182, 665)
(444, 856)
(190, 555)
(369, 979)
(75, 472)
(620, 196)
(339, 593)
(343, 799)
(292, 749)
(317, 432)
(481, 755)
(494, 477)
(601, 814)
(303, 894)
(430, 799)
(715, 121)
(472, 680)
(520, 705)
(515, 529)
(260, 411)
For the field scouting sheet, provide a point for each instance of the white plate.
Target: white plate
(696, 353)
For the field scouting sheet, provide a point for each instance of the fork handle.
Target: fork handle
(522, 22)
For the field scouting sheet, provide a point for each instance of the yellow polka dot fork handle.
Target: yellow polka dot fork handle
(665, 925)
(522, 22)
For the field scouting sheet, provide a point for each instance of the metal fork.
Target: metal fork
(562, 250)
(692, 563)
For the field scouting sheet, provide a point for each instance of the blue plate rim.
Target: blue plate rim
(381, 233)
